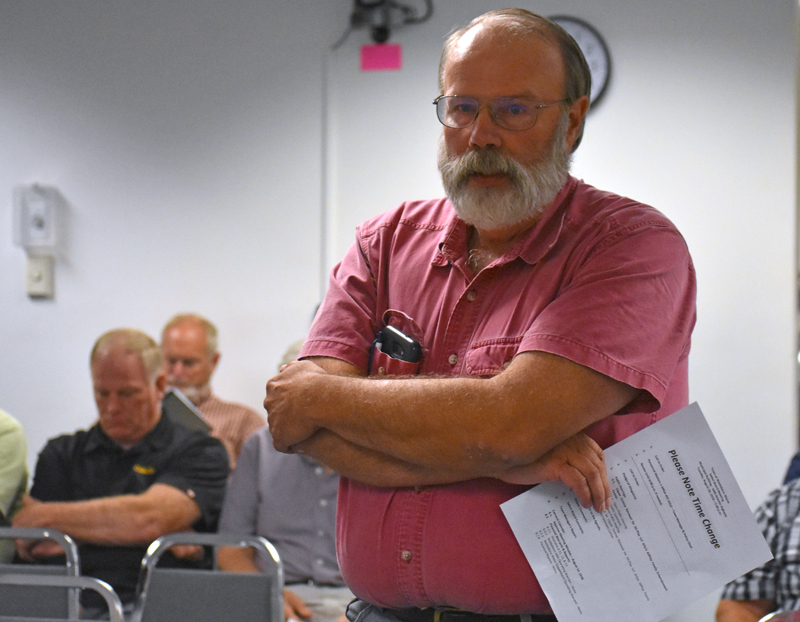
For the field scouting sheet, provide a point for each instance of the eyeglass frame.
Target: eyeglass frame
(535, 107)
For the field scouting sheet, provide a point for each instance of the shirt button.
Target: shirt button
(471, 296)
(321, 533)
(453, 359)
(323, 502)
(406, 555)
(319, 470)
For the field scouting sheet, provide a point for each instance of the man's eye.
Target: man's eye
(514, 109)
(465, 107)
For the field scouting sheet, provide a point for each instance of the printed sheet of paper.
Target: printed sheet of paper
(679, 528)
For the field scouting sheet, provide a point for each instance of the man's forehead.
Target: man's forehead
(493, 57)
(186, 334)
(119, 366)
(499, 33)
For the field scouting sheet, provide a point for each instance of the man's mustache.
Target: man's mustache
(484, 161)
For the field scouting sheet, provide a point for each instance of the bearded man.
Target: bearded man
(553, 318)
(190, 356)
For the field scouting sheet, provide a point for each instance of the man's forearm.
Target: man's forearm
(578, 463)
(369, 466)
(743, 610)
(237, 559)
(122, 520)
(468, 426)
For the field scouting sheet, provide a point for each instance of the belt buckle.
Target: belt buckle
(438, 611)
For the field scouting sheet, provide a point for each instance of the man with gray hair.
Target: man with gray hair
(132, 477)
(551, 319)
(189, 345)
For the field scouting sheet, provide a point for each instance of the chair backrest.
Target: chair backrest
(25, 586)
(177, 594)
(46, 600)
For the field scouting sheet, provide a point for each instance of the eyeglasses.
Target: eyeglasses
(511, 113)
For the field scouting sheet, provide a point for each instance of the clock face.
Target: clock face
(594, 50)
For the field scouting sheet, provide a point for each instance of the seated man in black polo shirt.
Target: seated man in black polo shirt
(132, 477)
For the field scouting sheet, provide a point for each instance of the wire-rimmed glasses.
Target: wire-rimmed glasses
(511, 113)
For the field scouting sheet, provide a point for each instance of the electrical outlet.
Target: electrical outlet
(39, 280)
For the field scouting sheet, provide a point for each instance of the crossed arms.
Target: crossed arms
(522, 426)
(120, 520)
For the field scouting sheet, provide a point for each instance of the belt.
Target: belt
(448, 614)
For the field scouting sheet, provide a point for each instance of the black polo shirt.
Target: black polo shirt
(89, 465)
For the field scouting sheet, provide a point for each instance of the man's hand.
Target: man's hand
(288, 403)
(578, 462)
(187, 552)
(294, 608)
(21, 518)
(31, 550)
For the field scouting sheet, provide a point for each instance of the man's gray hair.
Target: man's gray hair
(130, 341)
(519, 22)
(212, 341)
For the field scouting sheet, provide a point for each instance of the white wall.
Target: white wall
(187, 138)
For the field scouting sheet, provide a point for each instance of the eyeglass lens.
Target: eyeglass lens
(512, 113)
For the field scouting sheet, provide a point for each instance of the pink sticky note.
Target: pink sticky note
(381, 57)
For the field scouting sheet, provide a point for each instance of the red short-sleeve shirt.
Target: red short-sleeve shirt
(601, 280)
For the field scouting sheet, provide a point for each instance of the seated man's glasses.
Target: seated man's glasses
(511, 113)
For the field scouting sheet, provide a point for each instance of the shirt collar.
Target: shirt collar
(531, 248)
(157, 438)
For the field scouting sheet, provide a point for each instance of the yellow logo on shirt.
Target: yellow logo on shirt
(143, 470)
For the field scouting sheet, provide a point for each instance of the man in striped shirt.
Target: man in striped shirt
(190, 354)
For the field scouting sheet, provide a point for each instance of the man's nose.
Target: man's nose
(484, 131)
(112, 403)
(176, 369)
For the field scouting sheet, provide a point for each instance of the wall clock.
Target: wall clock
(594, 49)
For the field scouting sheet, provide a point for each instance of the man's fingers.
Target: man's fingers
(586, 474)
(598, 482)
(294, 607)
(596, 475)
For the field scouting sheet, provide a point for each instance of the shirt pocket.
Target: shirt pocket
(491, 356)
(381, 364)
(385, 365)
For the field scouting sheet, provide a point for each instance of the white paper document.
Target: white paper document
(679, 528)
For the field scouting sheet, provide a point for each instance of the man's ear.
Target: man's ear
(577, 113)
(214, 360)
(161, 382)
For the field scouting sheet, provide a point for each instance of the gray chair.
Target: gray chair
(46, 601)
(33, 587)
(209, 595)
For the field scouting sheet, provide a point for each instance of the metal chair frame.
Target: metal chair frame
(72, 565)
(76, 583)
(215, 540)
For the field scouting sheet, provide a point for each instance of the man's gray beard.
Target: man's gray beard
(194, 394)
(533, 187)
